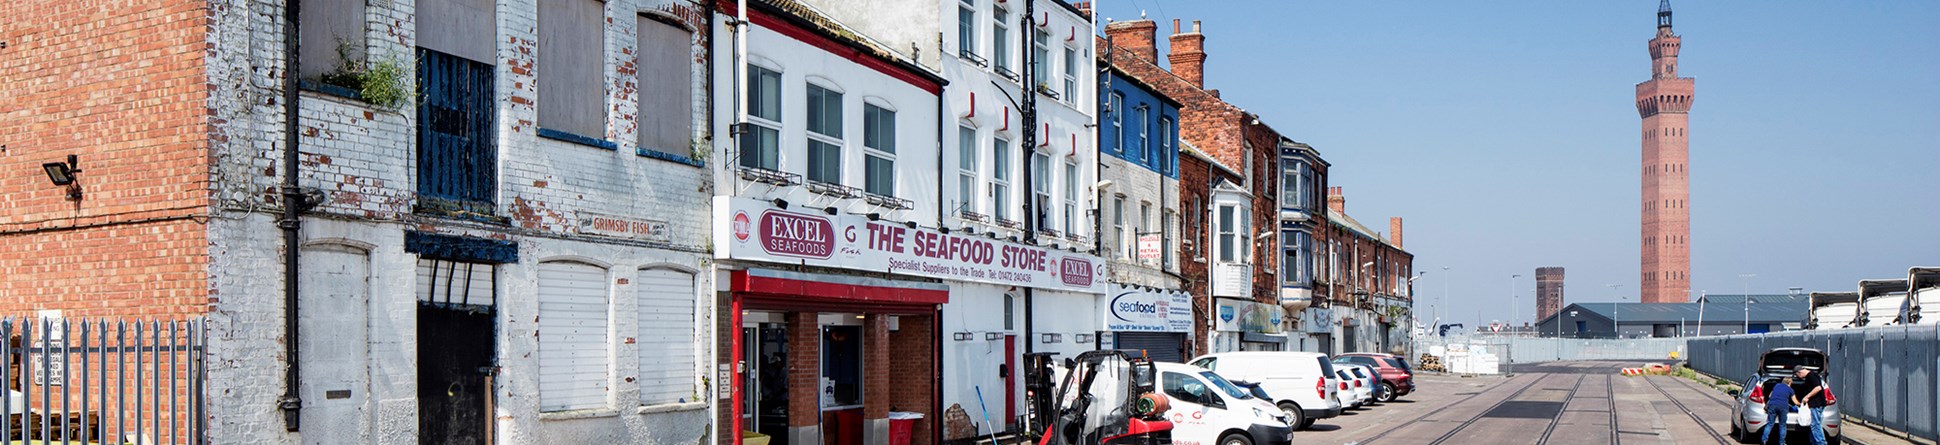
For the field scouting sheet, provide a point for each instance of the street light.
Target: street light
(1515, 301)
(1616, 311)
(1747, 280)
(1442, 305)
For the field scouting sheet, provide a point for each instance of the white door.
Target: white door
(1193, 421)
(334, 345)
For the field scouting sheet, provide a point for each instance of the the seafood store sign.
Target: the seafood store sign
(757, 230)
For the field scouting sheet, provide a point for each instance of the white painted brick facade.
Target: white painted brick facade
(1139, 184)
(364, 157)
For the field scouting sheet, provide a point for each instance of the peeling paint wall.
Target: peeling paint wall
(363, 159)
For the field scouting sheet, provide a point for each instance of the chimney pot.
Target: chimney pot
(1335, 201)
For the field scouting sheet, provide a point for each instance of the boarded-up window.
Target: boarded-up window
(666, 79)
(666, 339)
(572, 96)
(573, 352)
(328, 27)
(463, 28)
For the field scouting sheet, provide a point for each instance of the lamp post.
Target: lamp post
(1616, 311)
(1515, 301)
(1702, 295)
(1747, 280)
(1442, 305)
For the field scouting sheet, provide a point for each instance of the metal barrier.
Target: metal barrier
(102, 381)
(1522, 349)
(1884, 375)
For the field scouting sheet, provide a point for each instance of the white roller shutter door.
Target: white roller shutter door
(666, 339)
(573, 332)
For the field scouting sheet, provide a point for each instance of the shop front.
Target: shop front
(1242, 325)
(840, 320)
(1155, 322)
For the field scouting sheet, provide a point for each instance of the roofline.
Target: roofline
(864, 46)
(1134, 80)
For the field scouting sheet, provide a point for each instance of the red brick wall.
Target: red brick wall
(804, 368)
(1194, 175)
(1265, 185)
(124, 88)
(875, 355)
(913, 374)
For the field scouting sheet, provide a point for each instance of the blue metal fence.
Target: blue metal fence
(1884, 375)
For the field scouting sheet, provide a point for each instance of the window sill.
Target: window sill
(576, 414)
(671, 408)
(577, 139)
(329, 90)
(670, 157)
(457, 209)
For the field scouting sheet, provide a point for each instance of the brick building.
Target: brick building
(1370, 282)
(496, 204)
(1549, 291)
(1245, 265)
(1664, 103)
(1198, 175)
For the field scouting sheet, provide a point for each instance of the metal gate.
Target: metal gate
(100, 380)
(457, 160)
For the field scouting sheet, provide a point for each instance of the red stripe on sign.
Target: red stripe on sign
(742, 281)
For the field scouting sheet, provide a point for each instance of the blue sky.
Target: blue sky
(1504, 132)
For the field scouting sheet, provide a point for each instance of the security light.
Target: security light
(63, 173)
(783, 204)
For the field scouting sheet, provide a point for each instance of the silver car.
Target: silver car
(1773, 365)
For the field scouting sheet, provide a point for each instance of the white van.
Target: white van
(1300, 383)
(1208, 410)
(1354, 381)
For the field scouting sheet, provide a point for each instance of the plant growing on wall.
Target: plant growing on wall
(382, 83)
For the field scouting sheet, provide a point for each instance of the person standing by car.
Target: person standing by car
(1777, 408)
(1811, 389)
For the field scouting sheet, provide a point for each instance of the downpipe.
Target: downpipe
(291, 402)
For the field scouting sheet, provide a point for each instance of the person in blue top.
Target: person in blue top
(1778, 405)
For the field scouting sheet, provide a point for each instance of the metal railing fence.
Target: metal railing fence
(1524, 349)
(1884, 375)
(102, 381)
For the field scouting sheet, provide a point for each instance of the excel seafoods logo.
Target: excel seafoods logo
(1075, 271)
(798, 235)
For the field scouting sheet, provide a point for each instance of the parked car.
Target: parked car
(1300, 383)
(1209, 410)
(1354, 380)
(1774, 365)
(1396, 378)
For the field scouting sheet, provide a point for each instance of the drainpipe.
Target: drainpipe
(291, 403)
(1028, 110)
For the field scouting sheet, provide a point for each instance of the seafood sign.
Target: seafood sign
(759, 231)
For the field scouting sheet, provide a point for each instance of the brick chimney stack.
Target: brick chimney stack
(1084, 8)
(1394, 230)
(1335, 201)
(1188, 54)
(1140, 37)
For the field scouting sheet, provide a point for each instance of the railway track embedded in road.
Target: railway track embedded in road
(1553, 421)
(1370, 440)
(1687, 411)
(1610, 390)
(1478, 416)
(1706, 391)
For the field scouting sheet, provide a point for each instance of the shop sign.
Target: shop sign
(756, 230)
(1149, 248)
(1130, 309)
(1247, 316)
(1318, 320)
(614, 226)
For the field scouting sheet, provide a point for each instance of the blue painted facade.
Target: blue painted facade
(1129, 110)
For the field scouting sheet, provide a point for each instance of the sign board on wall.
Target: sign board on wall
(759, 231)
(1131, 309)
(634, 228)
(1318, 320)
(1247, 316)
(1149, 248)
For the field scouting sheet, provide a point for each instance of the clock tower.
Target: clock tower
(1664, 103)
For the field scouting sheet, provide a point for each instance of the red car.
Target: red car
(1396, 379)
